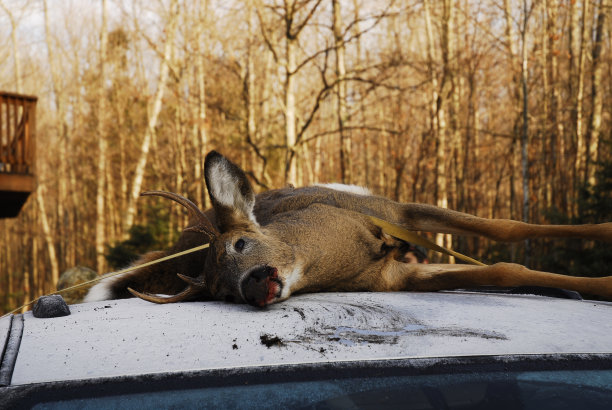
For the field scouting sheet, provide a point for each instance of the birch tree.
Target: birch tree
(200, 131)
(439, 97)
(40, 190)
(341, 110)
(102, 148)
(153, 116)
(294, 16)
(252, 125)
(15, 46)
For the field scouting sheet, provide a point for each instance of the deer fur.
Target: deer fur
(266, 247)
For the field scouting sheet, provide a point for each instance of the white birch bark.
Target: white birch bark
(290, 107)
(152, 120)
(102, 151)
(341, 93)
(200, 132)
(16, 56)
(46, 228)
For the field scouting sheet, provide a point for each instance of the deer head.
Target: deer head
(245, 262)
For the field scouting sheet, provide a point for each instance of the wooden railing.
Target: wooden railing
(17, 151)
(17, 126)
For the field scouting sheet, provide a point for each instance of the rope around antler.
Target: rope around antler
(111, 274)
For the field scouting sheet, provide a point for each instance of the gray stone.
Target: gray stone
(75, 276)
(50, 306)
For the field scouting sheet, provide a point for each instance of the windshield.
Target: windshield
(527, 390)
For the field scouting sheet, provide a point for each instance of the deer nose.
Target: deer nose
(261, 286)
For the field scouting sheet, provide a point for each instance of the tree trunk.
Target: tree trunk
(200, 131)
(250, 85)
(581, 147)
(65, 221)
(597, 91)
(16, 56)
(102, 150)
(290, 107)
(525, 128)
(437, 113)
(545, 181)
(37, 288)
(557, 139)
(341, 93)
(46, 228)
(152, 121)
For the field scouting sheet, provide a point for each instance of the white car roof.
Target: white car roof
(130, 337)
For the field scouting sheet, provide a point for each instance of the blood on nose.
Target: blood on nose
(260, 286)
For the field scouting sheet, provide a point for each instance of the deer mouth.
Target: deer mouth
(261, 286)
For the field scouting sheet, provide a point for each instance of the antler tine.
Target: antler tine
(191, 281)
(203, 223)
(195, 288)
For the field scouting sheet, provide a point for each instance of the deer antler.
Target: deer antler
(195, 288)
(202, 223)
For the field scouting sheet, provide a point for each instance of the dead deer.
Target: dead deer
(266, 247)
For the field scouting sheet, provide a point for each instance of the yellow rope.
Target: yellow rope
(109, 275)
(409, 236)
(391, 229)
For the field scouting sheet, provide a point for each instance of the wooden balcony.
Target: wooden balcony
(17, 149)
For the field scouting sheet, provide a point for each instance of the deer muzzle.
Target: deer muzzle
(261, 286)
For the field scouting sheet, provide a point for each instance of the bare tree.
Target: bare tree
(581, 145)
(16, 54)
(597, 55)
(441, 91)
(250, 91)
(527, 9)
(289, 12)
(153, 117)
(341, 110)
(102, 148)
(557, 133)
(48, 235)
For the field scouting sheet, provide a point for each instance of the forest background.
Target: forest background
(499, 108)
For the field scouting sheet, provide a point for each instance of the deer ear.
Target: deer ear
(230, 192)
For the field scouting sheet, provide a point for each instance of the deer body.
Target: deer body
(293, 240)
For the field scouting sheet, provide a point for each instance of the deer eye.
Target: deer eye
(239, 245)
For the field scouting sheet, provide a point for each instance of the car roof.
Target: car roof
(132, 337)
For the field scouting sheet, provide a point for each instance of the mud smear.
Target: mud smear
(269, 340)
(369, 323)
(300, 312)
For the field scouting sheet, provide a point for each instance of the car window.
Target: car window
(529, 390)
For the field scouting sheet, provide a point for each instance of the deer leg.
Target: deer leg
(430, 218)
(434, 277)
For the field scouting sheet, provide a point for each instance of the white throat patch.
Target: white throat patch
(291, 280)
